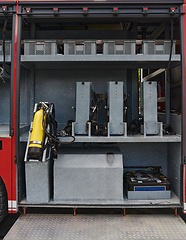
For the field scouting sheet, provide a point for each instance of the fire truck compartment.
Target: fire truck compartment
(116, 80)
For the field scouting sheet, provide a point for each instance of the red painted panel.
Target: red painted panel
(8, 168)
(5, 163)
(8, 152)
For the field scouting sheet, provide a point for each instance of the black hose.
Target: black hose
(54, 138)
(171, 44)
(168, 66)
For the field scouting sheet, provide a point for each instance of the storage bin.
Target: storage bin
(43, 47)
(79, 47)
(156, 47)
(119, 47)
(8, 45)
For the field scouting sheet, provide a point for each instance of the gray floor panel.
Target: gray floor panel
(132, 226)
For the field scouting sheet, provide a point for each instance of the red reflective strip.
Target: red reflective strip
(145, 9)
(55, 9)
(115, 9)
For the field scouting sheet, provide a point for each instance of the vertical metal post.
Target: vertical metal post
(108, 129)
(15, 101)
(135, 95)
(73, 129)
(89, 129)
(24, 209)
(176, 212)
(160, 129)
(75, 211)
(145, 129)
(125, 129)
(167, 96)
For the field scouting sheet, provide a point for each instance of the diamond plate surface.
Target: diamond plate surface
(62, 226)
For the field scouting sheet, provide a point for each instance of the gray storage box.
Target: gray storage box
(79, 47)
(158, 47)
(38, 181)
(119, 47)
(8, 45)
(40, 47)
(88, 174)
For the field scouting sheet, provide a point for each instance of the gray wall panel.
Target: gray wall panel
(58, 86)
(144, 154)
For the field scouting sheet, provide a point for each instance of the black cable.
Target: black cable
(168, 67)
(171, 45)
(53, 137)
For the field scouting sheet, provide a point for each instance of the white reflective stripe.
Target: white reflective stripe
(12, 205)
(12, 210)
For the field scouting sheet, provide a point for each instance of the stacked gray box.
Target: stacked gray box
(38, 181)
(88, 174)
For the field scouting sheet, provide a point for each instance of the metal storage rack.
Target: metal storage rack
(153, 142)
(41, 72)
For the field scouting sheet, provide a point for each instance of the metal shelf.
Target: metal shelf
(174, 201)
(105, 58)
(117, 139)
(100, 61)
(122, 139)
(115, 61)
